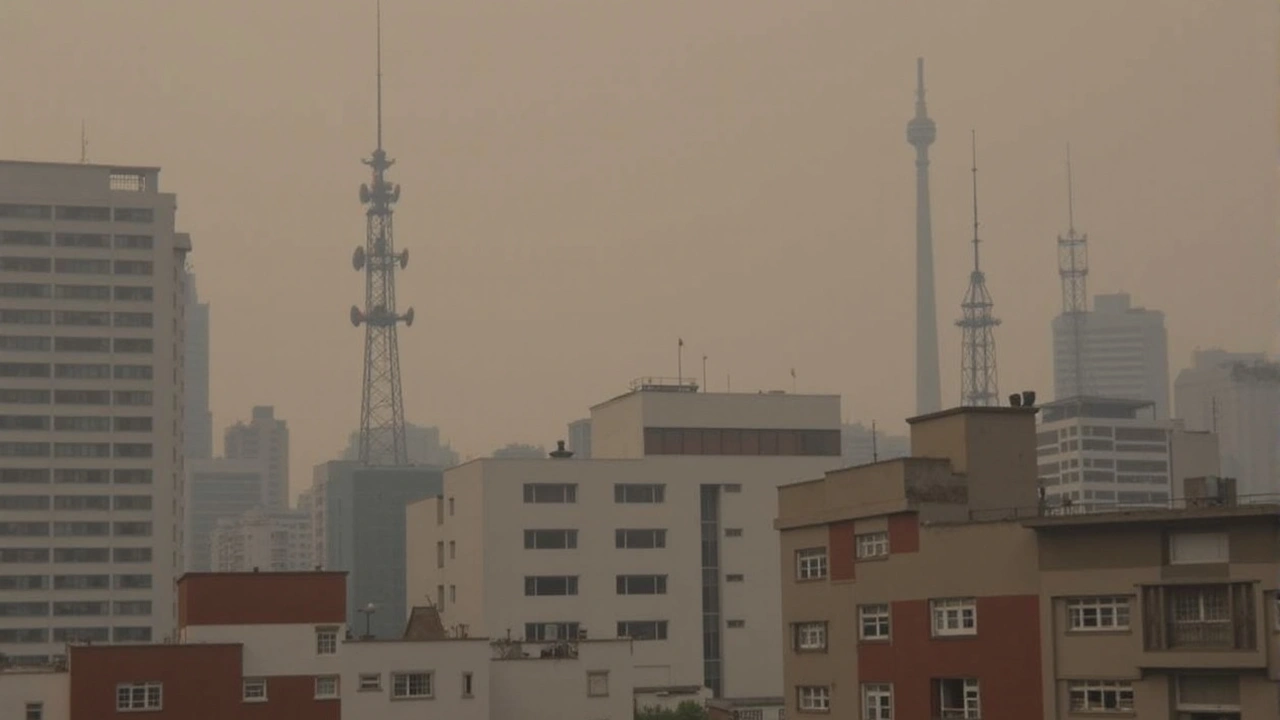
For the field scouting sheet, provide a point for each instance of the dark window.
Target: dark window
(551, 631)
(132, 477)
(81, 607)
(639, 493)
(133, 424)
(83, 240)
(24, 449)
(24, 555)
(24, 422)
(26, 212)
(135, 215)
(24, 582)
(25, 343)
(82, 292)
(89, 318)
(24, 529)
(550, 585)
(133, 319)
(133, 345)
(24, 397)
(640, 539)
(82, 397)
(133, 450)
(134, 293)
(642, 584)
(19, 476)
(25, 317)
(134, 267)
(34, 370)
(79, 555)
(24, 609)
(133, 372)
(81, 212)
(82, 502)
(25, 264)
(24, 238)
(550, 493)
(643, 629)
(82, 266)
(25, 290)
(82, 344)
(129, 555)
(82, 371)
(81, 477)
(134, 242)
(550, 539)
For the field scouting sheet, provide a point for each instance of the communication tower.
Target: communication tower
(978, 345)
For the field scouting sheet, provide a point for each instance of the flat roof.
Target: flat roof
(1154, 515)
(976, 410)
(1130, 403)
(101, 166)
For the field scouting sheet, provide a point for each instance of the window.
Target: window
(550, 493)
(1098, 613)
(82, 397)
(131, 529)
(133, 345)
(370, 682)
(873, 622)
(254, 690)
(79, 555)
(327, 641)
(139, 696)
(440, 554)
(1197, 548)
(134, 293)
(72, 608)
(132, 424)
(82, 292)
(25, 343)
(134, 267)
(624, 493)
(1201, 616)
(133, 215)
(26, 212)
(25, 290)
(551, 631)
(733, 487)
(326, 686)
(1094, 696)
(468, 685)
(24, 529)
(35, 711)
(30, 370)
(23, 449)
(550, 539)
(813, 698)
(82, 450)
(453, 550)
(84, 212)
(133, 398)
(133, 319)
(132, 608)
(134, 242)
(24, 238)
(81, 529)
(26, 264)
(646, 539)
(84, 423)
(954, 616)
(132, 477)
(133, 372)
(877, 702)
(132, 582)
(82, 318)
(811, 564)
(958, 699)
(598, 683)
(535, 585)
(82, 371)
(734, 577)
(733, 532)
(24, 475)
(873, 545)
(643, 629)
(82, 344)
(810, 636)
(642, 584)
(81, 502)
(410, 685)
(25, 317)
(24, 422)
(131, 634)
(82, 266)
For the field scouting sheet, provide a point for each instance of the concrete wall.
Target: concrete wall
(49, 688)
(546, 689)
(446, 660)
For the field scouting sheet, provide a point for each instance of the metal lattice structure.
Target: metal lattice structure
(921, 132)
(382, 428)
(978, 384)
(1073, 268)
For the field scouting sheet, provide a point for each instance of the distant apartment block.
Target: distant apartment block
(265, 439)
(580, 438)
(936, 586)
(92, 328)
(663, 536)
(258, 539)
(1124, 353)
(860, 445)
(1102, 453)
(216, 490)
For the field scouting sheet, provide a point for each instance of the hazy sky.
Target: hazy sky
(586, 180)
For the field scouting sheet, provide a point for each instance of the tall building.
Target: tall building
(1100, 453)
(422, 444)
(663, 536)
(264, 439)
(1237, 397)
(92, 330)
(260, 540)
(860, 445)
(937, 587)
(580, 438)
(921, 133)
(218, 489)
(198, 420)
(1125, 351)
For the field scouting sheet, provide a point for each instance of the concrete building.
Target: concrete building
(258, 539)
(1237, 397)
(358, 526)
(198, 420)
(214, 490)
(92, 331)
(1124, 350)
(264, 439)
(580, 438)
(936, 586)
(273, 645)
(1101, 453)
(662, 536)
(859, 445)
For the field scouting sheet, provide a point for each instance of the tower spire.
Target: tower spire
(382, 427)
(921, 132)
(978, 384)
(1073, 269)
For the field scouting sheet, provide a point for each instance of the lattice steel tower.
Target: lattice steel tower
(1073, 268)
(382, 439)
(921, 132)
(978, 346)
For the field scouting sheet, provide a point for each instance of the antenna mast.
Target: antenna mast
(921, 132)
(84, 145)
(978, 346)
(382, 426)
(1073, 268)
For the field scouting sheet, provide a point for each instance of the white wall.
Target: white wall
(273, 649)
(447, 660)
(546, 689)
(19, 687)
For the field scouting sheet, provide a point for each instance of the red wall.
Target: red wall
(841, 550)
(1004, 656)
(292, 698)
(306, 598)
(904, 533)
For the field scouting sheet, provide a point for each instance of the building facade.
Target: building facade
(264, 439)
(1124, 351)
(1236, 396)
(218, 489)
(92, 330)
(198, 430)
(938, 587)
(662, 536)
(580, 438)
(274, 541)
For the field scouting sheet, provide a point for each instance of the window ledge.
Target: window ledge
(255, 700)
(875, 641)
(410, 698)
(1087, 632)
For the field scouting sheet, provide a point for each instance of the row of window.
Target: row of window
(961, 699)
(33, 636)
(638, 493)
(729, 441)
(75, 529)
(75, 502)
(122, 398)
(75, 423)
(76, 371)
(77, 318)
(75, 450)
(623, 538)
(61, 291)
(44, 343)
(82, 582)
(75, 555)
(76, 266)
(37, 238)
(69, 582)
(812, 563)
(121, 476)
(80, 213)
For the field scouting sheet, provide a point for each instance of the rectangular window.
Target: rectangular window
(24, 422)
(132, 450)
(133, 582)
(954, 616)
(132, 424)
(327, 641)
(810, 637)
(642, 584)
(134, 293)
(134, 215)
(81, 529)
(79, 555)
(24, 397)
(545, 631)
(1198, 548)
(134, 242)
(24, 370)
(811, 564)
(537, 585)
(82, 266)
(326, 687)
(639, 493)
(83, 318)
(733, 532)
(598, 683)
(82, 450)
(370, 682)
(550, 493)
(131, 634)
(872, 545)
(24, 529)
(24, 609)
(254, 690)
(133, 398)
(813, 698)
(468, 685)
(83, 240)
(34, 711)
(734, 577)
(133, 372)
(24, 449)
(132, 502)
(1096, 696)
(26, 212)
(134, 267)
(25, 264)
(82, 397)
(24, 555)
(81, 502)
(640, 539)
(1098, 613)
(25, 343)
(133, 345)
(958, 698)
(24, 582)
(873, 622)
(133, 319)
(411, 685)
(82, 344)
(132, 529)
(877, 702)
(132, 608)
(82, 292)
(25, 290)
(643, 629)
(24, 238)
(84, 213)
(82, 371)
(550, 539)
(132, 477)
(139, 696)
(29, 476)
(26, 317)
(82, 423)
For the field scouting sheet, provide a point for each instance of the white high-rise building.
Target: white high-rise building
(265, 439)
(267, 541)
(92, 329)
(1101, 453)
(1236, 396)
(1124, 351)
(665, 535)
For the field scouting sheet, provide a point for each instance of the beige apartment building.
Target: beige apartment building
(939, 586)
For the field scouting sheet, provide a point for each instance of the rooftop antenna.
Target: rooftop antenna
(978, 385)
(875, 449)
(84, 145)
(1073, 269)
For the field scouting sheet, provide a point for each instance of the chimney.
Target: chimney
(560, 453)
